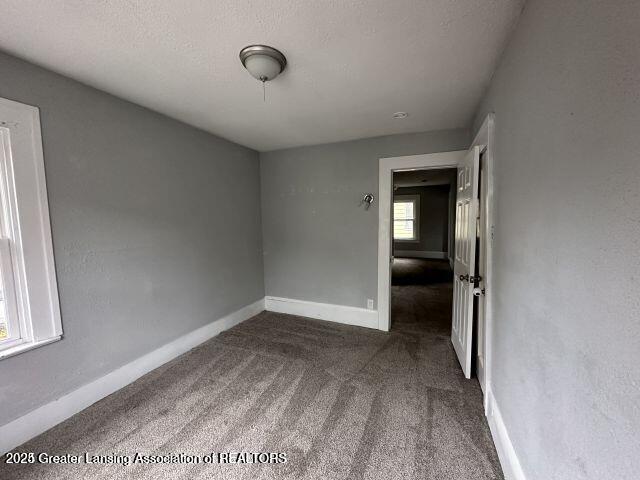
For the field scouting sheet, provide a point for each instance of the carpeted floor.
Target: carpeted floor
(420, 271)
(342, 402)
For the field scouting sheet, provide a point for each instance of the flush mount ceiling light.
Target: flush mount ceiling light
(264, 63)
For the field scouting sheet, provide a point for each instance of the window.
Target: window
(29, 306)
(406, 218)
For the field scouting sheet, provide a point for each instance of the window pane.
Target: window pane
(403, 229)
(4, 328)
(403, 210)
(8, 327)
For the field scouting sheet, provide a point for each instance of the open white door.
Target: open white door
(465, 258)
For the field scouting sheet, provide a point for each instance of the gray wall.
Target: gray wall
(434, 219)
(320, 245)
(156, 232)
(567, 322)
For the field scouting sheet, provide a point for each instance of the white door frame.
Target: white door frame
(483, 138)
(385, 192)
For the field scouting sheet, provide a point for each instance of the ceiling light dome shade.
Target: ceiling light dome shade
(262, 62)
(262, 67)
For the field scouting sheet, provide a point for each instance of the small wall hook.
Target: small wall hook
(367, 199)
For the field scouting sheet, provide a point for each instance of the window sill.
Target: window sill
(24, 347)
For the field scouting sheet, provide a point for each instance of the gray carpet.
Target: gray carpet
(342, 402)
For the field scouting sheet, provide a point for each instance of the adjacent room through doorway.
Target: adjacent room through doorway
(423, 236)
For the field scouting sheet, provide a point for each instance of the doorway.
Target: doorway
(389, 166)
(422, 250)
(472, 292)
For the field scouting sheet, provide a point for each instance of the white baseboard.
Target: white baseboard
(506, 453)
(22, 429)
(360, 317)
(420, 254)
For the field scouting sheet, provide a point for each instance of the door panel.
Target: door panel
(482, 269)
(465, 257)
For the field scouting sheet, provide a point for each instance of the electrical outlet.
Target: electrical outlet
(370, 303)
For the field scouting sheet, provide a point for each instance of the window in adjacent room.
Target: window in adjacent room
(29, 305)
(406, 223)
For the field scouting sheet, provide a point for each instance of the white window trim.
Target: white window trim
(416, 222)
(23, 195)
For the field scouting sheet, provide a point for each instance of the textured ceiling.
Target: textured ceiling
(352, 64)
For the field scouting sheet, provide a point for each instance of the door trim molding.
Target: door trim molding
(484, 138)
(387, 166)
